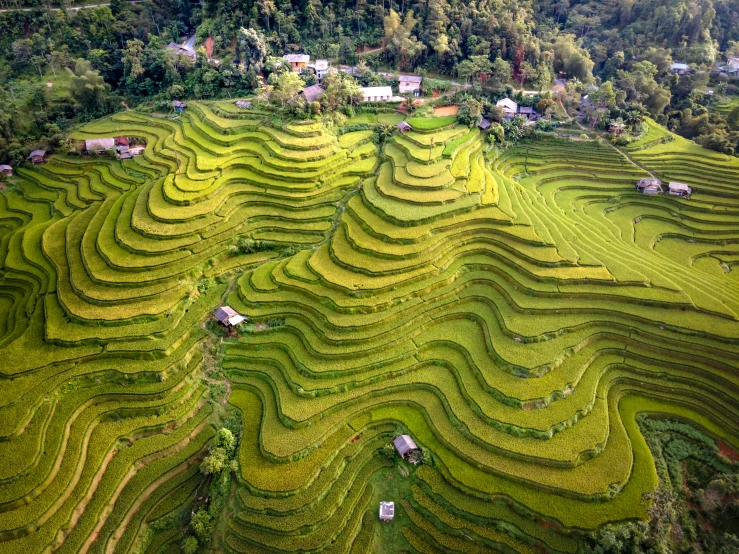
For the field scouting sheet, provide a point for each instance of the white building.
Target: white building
(680, 68)
(321, 68)
(679, 189)
(409, 83)
(387, 511)
(509, 107)
(377, 94)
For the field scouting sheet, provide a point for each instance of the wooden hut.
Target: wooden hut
(37, 156)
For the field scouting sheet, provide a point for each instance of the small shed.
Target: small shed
(387, 511)
(228, 316)
(410, 83)
(652, 184)
(243, 104)
(6, 170)
(37, 156)
(312, 93)
(679, 189)
(100, 145)
(404, 127)
(178, 105)
(484, 124)
(405, 446)
(136, 150)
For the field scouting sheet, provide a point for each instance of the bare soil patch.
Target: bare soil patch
(442, 111)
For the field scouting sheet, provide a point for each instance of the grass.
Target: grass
(514, 311)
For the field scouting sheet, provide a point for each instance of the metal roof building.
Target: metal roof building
(387, 511)
(228, 316)
(404, 445)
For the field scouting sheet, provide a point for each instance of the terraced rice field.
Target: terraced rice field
(512, 311)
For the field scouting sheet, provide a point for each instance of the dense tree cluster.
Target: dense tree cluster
(119, 53)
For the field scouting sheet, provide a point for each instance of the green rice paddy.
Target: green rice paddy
(513, 311)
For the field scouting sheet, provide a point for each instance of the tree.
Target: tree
(202, 525)
(214, 462)
(190, 546)
(732, 120)
(398, 38)
(88, 87)
(287, 87)
(226, 440)
(132, 66)
(470, 112)
(571, 58)
(252, 48)
(500, 72)
(464, 70)
(604, 96)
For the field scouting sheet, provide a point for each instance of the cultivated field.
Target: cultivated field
(512, 311)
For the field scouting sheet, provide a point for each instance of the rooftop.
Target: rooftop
(484, 124)
(37, 153)
(404, 444)
(410, 78)
(387, 510)
(377, 91)
(313, 93)
(296, 58)
(404, 126)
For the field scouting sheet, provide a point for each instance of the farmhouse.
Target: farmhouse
(405, 446)
(649, 186)
(297, 61)
(37, 156)
(178, 105)
(244, 104)
(99, 146)
(679, 189)
(404, 127)
(680, 68)
(136, 150)
(387, 511)
(377, 94)
(484, 124)
(6, 170)
(410, 83)
(509, 107)
(228, 316)
(312, 93)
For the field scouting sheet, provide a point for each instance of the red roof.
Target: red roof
(121, 141)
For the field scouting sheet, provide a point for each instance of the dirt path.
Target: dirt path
(635, 164)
